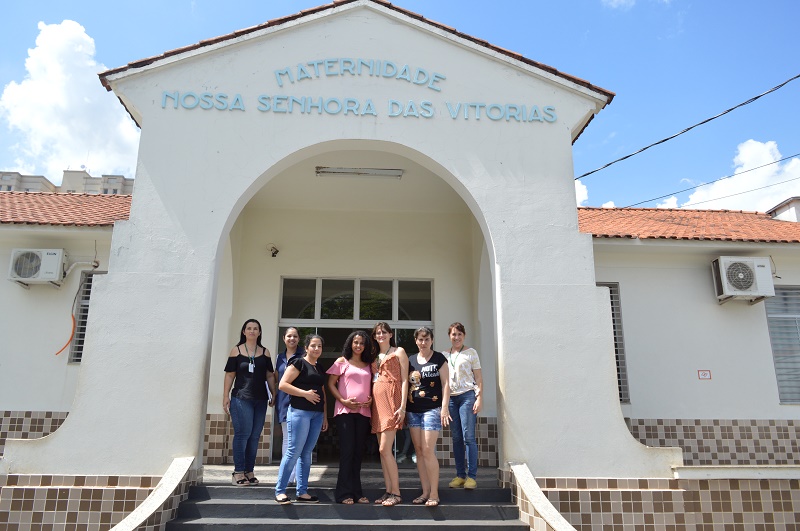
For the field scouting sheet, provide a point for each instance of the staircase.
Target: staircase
(226, 507)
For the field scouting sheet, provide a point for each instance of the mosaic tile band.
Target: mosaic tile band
(724, 442)
(92, 503)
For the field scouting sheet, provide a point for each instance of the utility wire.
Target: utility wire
(751, 100)
(740, 193)
(599, 211)
(715, 181)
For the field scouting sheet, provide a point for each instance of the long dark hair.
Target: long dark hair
(347, 351)
(243, 339)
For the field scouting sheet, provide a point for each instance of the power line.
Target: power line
(715, 181)
(740, 193)
(751, 100)
(601, 211)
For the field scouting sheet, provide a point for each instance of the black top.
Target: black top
(249, 385)
(424, 383)
(309, 378)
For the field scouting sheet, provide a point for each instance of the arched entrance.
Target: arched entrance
(354, 249)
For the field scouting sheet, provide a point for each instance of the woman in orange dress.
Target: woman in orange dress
(389, 392)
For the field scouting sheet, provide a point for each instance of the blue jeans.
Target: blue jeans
(462, 428)
(303, 427)
(247, 417)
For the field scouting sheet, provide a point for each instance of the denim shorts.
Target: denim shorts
(430, 420)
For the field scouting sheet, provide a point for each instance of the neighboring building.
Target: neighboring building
(357, 162)
(74, 181)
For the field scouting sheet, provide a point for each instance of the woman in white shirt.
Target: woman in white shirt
(466, 386)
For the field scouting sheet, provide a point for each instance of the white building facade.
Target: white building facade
(310, 170)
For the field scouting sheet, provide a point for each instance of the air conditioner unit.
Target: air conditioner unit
(37, 266)
(742, 277)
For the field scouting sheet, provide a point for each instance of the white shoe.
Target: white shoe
(414, 458)
(401, 458)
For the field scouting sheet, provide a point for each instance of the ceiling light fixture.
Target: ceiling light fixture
(389, 173)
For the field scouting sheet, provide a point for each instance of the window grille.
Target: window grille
(619, 341)
(783, 320)
(82, 315)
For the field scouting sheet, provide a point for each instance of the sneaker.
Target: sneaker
(401, 458)
(414, 458)
(470, 483)
(457, 483)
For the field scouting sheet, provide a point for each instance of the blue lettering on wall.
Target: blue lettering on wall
(338, 66)
(291, 104)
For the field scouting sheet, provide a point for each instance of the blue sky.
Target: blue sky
(672, 63)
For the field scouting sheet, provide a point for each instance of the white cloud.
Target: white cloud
(619, 4)
(581, 193)
(608, 204)
(61, 115)
(670, 202)
(728, 193)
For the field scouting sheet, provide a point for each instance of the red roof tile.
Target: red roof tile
(678, 224)
(84, 210)
(337, 3)
(79, 210)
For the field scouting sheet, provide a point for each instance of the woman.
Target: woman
(350, 383)
(247, 372)
(305, 382)
(428, 398)
(291, 338)
(466, 389)
(389, 390)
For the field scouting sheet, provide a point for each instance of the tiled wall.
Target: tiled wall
(70, 502)
(218, 448)
(219, 435)
(675, 505)
(527, 512)
(91, 503)
(724, 442)
(485, 432)
(28, 424)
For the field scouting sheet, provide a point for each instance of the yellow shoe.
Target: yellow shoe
(457, 483)
(470, 483)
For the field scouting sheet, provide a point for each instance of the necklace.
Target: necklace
(454, 357)
(249, 355)
(382, 355)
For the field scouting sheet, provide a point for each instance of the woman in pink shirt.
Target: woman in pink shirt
(350, 384)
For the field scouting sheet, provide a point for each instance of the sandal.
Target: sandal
(363, 499)
(383, 498)
(239, 479)
(420, 500)
(432, 503)
(392, 500)
(347, 501)
(251, 477)
(285, 500)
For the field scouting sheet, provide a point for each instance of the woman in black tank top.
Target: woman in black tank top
(249, 373)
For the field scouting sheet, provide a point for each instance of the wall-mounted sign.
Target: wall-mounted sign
(358, 69)
(703, 374)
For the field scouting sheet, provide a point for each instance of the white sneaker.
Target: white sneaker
(401, 458)
(414, 458)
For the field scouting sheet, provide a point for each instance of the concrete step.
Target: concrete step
(259, 524)
(240, 508)
(227, 492)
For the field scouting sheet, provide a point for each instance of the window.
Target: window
(82, 315)
(783, 320)
(334, 307)
(619, 341)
